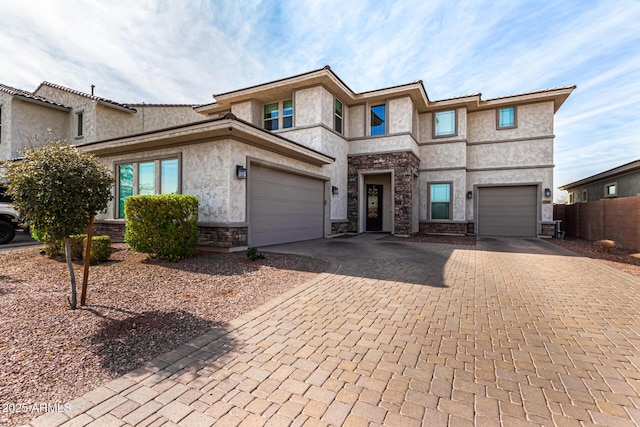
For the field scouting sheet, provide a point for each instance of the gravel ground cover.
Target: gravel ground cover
(621, 259)
(137, 310)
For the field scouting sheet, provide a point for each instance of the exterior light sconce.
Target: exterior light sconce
(469, 194)
(547, 192)
(241, 172)
(334, 189)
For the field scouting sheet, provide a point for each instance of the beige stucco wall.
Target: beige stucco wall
(308, 106)
(447, 155)
(332, 144)
(249, 111)
(29, 120)
(5, 126)
(357, 121)
(532, 120)
(400, 115)
(538, 152)
(384, 144)
(77, 103)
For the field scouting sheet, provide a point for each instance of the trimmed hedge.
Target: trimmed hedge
(162, 225)
(100, 248)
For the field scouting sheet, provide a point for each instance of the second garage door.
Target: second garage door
(284, 207)
(508, 211)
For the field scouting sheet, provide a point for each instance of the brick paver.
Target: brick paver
(510, 332)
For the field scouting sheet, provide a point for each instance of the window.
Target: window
(337, 116)
(79, 124)
(611, 190)
(506, 118)
(440, 197)
(278, 115)
(378, 119)
(445, 123)
(147, 177)
(584, 196)
(572, 198)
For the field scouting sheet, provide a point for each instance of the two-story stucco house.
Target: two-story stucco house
(76, 117)
(306, 157)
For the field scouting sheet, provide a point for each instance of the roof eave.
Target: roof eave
(623, 169)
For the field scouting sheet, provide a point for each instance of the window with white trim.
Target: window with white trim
(584, 196)
(278, 115)
(152, 176)
(572, 198)
(611, 189)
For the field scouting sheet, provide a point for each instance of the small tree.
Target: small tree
(57, 189)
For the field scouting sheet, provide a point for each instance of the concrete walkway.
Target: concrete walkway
(510, 332)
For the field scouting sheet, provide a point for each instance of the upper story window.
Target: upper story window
(506, 118)
(611, 190)
(337, 116)
(572, 198)
(440, 201)
(160, 176)
(378, 119)
(445, 123)
(584, 196)
(79, 124)
(278, 115)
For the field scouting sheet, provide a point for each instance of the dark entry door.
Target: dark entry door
(374, 207)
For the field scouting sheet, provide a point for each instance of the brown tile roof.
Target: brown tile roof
(550, 89)
(86, 95)
(29, 96)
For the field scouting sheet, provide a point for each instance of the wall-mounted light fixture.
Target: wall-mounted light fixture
(241, 172)
(547, 192)
(334, 189)
(469, 194)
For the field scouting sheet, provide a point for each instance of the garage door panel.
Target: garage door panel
(507, 211)
(284, 207)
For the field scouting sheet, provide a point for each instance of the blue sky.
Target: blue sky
(186, 51)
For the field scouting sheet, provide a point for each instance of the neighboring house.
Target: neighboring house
(76, 117)
(306, 157)
(621, 181)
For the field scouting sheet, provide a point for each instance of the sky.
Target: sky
(184, 51)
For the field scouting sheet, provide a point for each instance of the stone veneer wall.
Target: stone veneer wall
(405, 166)
(444, 228)
(218, 237)
(549, 229)
(339, 227)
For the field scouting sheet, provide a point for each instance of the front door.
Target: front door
(374, 207)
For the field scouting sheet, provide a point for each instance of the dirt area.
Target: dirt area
(621, 259)
(137, 310)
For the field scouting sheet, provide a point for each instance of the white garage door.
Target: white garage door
(284, 207)
(508, 211)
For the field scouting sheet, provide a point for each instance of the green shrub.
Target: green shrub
(162, 225)
(100, 249)
(253, 254)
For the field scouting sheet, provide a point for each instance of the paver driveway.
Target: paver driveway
(509, 332)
